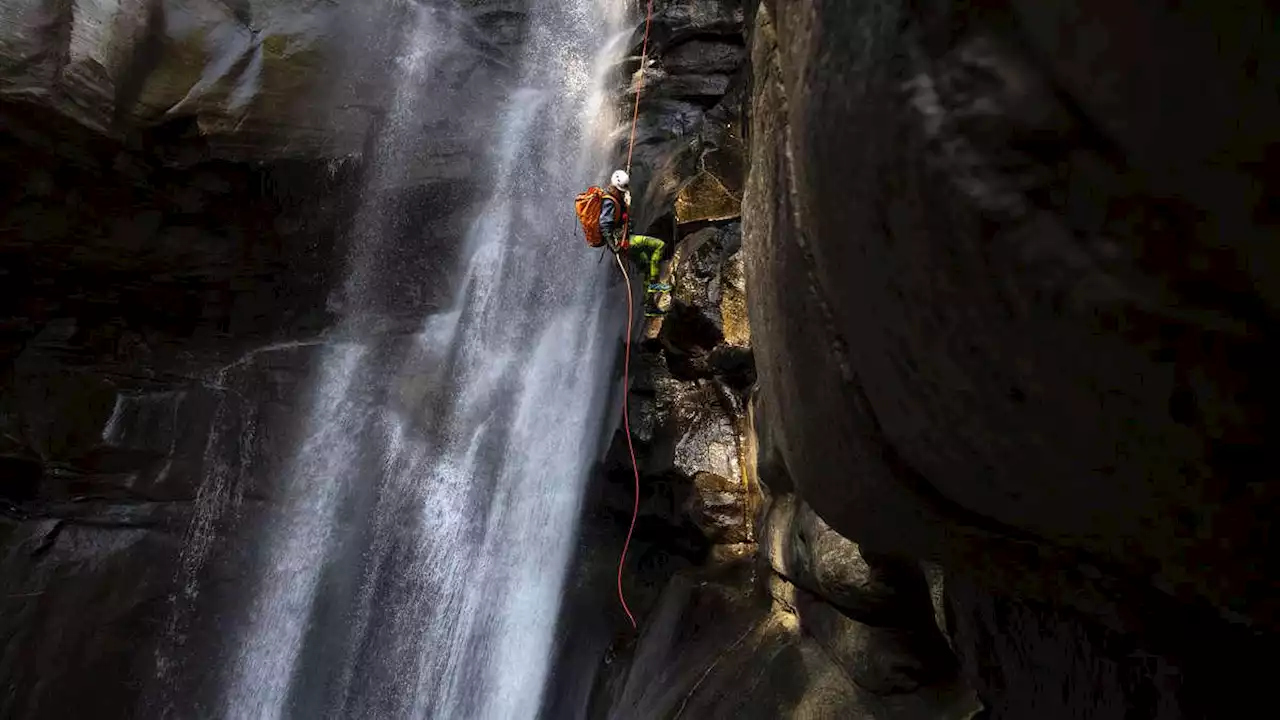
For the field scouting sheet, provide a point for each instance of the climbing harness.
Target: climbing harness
(626, 363)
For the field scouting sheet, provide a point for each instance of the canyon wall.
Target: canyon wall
(180, 180)
(1011, 289)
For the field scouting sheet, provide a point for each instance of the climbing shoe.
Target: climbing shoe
(659, 287)
(652, 309)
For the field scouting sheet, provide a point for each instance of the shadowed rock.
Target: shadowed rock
(1013, 302)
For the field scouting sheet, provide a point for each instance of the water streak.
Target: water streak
(415, 560)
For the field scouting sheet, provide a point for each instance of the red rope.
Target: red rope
(626, 363)
(626, 424)
(644, 54)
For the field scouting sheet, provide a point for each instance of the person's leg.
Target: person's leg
(650, 248)
(638, 251)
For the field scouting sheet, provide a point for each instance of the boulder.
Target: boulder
(735, 324)
(775, 533)
(706, 438)
(865, 585)
(719, 508)
(689, 87)
(881, 660)
(706, 636)
(873, 588)
(936, 577)
(678, 21)
(1029, 660)
(698, 266)
(974, 321)
(706, 198)
(704, 57)
(1012, 313)
(771, 471)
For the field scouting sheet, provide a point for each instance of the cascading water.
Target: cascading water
(414, 564)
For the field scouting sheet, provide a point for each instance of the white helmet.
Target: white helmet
(620, 179)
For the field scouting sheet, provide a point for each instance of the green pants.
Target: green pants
(648, 249)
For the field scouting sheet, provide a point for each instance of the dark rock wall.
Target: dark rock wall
(749, 605)
(1011, 286)
(155, 363)
(1011, 280)
(689, 144)
(157, 319)
(174, 220)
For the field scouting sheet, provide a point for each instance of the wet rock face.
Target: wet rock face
(99, 229)
(705, 332)
(704, 57)
(679, 21)
(720, 507)
(259, 78)
(161, 307)
(99, 548)
(687, 426)
(689, 145)
(143, 305)
(1015, 317)
(826, 629)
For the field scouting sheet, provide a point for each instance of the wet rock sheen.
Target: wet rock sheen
(1015, 318)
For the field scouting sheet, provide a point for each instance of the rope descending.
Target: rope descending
(626, 363)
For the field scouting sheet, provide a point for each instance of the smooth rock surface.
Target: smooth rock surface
(880, 659)
(676, 21)
(1051, 326)
(719, 507)
(1013, 304)
(160, 309)
(704, 57)
(701, 261)
(710, 651)
(689, 133)
(873, 588)
(258, 78)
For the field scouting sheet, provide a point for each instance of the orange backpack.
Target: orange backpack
(588, 205)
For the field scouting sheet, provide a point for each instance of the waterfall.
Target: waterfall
(413, 562)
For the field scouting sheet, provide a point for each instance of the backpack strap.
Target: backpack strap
(623, 219)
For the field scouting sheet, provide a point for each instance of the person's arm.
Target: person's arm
(608, 216)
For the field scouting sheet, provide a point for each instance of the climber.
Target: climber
(607, 227)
